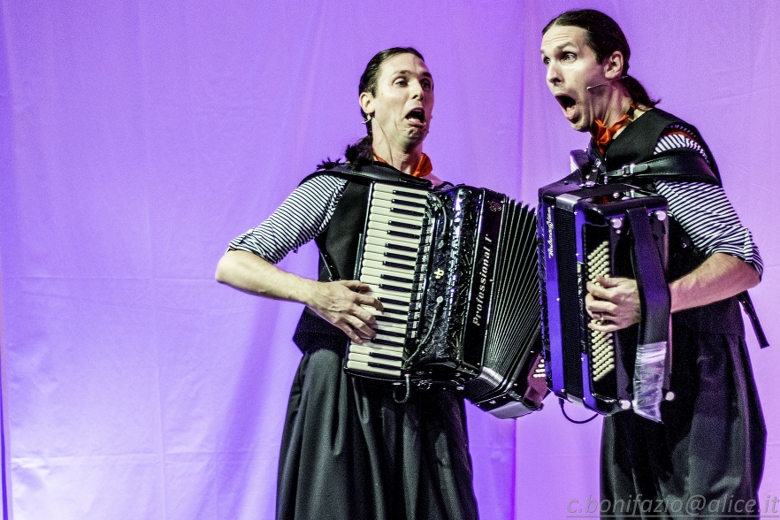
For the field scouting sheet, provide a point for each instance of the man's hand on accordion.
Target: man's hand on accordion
(612, 303)
(341, 303)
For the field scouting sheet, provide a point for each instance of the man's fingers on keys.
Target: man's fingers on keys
(349, 331)
(364, 299)
(364, 315)
(361, 328)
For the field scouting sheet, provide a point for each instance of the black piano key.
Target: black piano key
(407, 212)
(399, 247)
(380, 355)
(394, 288)
(407, 225)
(394, 278)
(388, 333)
(388, 319)
(382, 365)
(410, 194)
(393, 302)
(396, 311)
(399, 266)
(409, 203)
(401, 257)
(394, 233)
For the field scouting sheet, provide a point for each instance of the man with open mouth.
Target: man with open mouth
(710, 442)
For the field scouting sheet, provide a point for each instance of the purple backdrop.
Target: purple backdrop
(137, 138)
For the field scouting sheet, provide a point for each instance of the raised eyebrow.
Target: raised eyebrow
(559, 48)
(410, 73)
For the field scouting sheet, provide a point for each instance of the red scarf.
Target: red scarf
(424, 167)
(604, 135)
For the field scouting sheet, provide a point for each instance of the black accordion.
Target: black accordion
(456, 273)
(612, 230)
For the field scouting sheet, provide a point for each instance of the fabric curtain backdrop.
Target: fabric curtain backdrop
(139, 137)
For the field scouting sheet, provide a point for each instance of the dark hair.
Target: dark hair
(604, 36)
(361, 151)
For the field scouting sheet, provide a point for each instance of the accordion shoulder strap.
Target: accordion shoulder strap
(680, 167)
(649, 272)
(651, 370)
(373, 172)
(747, 304)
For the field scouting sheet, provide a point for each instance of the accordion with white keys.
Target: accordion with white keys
(456, 272)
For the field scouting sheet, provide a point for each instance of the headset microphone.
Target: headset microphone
(603, 83)
(597, 85)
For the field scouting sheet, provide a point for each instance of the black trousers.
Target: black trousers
(350, 451)
(707, 458)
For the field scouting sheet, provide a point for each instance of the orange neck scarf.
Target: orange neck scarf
(424, 167)
(604, 134)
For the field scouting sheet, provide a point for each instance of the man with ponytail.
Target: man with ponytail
(711, 441)
(349, 449)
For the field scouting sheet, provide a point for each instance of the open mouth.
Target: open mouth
(568, 105)
(565, 101)
(417, 114)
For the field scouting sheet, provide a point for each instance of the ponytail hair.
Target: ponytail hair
(361, 151)
(604, 36)
(637, 92)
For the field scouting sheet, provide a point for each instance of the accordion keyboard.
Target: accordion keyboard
(393, 262)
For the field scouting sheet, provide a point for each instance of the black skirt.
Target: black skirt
(349, 451)
(707, 458)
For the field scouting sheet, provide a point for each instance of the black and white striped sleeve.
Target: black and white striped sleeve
(301, 217)
(704, 211)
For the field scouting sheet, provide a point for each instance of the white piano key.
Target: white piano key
(383, 214)
(371, 359)
(409, 261)
(380, 195)
(376, 280)
(381, 294)
(400, 341)
(399, 209)
(383, 235)
(401, 269)
(405, 278)
(387, 188)
(388, 246)
(392, 248)
(396, 352)
(365, 367)
(388, 307)
(396, 224)
(381, 226)
(399, 328)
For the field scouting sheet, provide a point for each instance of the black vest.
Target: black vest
(340, 241)
(339, 244)
(636, 144)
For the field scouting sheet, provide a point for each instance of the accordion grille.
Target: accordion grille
(568, 283)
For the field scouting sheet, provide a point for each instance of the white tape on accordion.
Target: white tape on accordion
(649, 368)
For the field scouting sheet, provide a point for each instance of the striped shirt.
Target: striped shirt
(703, 210)
(302, 216)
